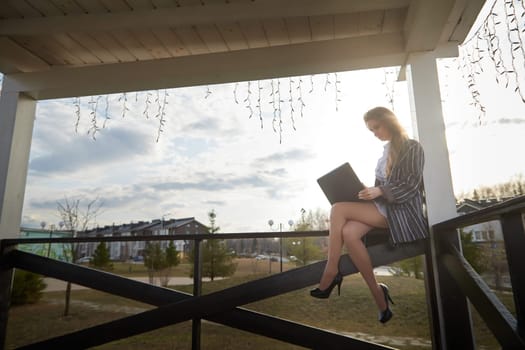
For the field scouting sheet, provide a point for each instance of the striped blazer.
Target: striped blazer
(403, 196)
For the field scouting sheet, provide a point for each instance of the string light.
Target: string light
(505, 52)
(155, 102)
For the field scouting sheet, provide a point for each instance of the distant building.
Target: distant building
(486, 231)
(57, 251)
(131, 250)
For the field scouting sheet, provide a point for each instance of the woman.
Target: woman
(396, 203)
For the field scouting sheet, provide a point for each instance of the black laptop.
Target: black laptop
(341, 185)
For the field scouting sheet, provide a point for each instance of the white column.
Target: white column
(17, 114)
(429, 126)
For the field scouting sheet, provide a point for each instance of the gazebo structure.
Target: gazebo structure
(57, 48)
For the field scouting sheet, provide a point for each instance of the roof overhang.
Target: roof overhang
(71, 51)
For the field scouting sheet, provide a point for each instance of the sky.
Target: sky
(214, 155)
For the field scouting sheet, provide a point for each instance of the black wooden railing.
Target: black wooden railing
(449, 282)
(457, 280)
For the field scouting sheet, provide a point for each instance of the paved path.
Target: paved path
(54, 285)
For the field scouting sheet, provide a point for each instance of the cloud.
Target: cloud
(511, 121)
(203, 124)
(216, 203)
(279, 172)
(77, 153)
(295, 154)
(214, 183)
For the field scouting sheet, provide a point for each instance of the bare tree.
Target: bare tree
(76, 219)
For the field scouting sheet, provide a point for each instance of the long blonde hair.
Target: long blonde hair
(388, 119)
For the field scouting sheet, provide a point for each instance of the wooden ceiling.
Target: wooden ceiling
(61, 48)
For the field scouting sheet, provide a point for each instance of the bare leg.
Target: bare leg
(353, 231)
(340, 214)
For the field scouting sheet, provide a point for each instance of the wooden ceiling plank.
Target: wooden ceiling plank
(120, 17)
(46, 8)
(15, 58)
(346, 25)
(8, 11)
(371, 23)
(190, 3)
(26, 10)
(234, 38)
(192, 41)
(92, 7)
(114, 47)
(138, 5)
(37, 48)
(75, 49)
(212, 38)
(51, 51)
(459, 25)
(254, 33)
(162, 4)
(150, 42)
(276, 32)
(62, 52)
(231, 66)
(116, 5)
(68, 7)
(96, 49)
(322, 27)
(425, 22)
(394, 20)
(298, 29)
(126, 39)
(170, 41)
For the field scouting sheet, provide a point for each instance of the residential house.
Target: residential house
(134, 249)
(483, 232)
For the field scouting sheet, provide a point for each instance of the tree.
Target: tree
(411, 267)
(75, 219)
(27, 287)
(159, 262)
(217, 261)
(473, 252)
(511, 188)
(101, 257)
(307, 249)
(171, 259)
(154, 259)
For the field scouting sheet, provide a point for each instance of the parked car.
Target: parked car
(84, 260)
(138, 259)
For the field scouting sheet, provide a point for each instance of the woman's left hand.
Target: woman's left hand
(370, 193)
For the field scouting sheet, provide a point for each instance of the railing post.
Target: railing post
(514, 239)
(453, 318)
(6, 282)
(432, 294)
(197, 291)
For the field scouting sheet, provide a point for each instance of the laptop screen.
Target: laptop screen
(341, 184)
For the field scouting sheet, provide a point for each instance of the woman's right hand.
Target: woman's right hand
(370, 193)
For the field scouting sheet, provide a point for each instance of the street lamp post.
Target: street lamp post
(270, 223)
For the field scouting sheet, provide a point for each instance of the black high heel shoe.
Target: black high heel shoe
(325, 293)
(386, 315)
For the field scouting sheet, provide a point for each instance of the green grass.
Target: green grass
(352, 313)
(139, 270)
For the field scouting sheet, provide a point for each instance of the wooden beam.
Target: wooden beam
(16, 59)
(191, 15)
(240, 318)
(514, 239)
(224, 301)
(255, 64)
(496, 316)
(425, 22)
(466, 20)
